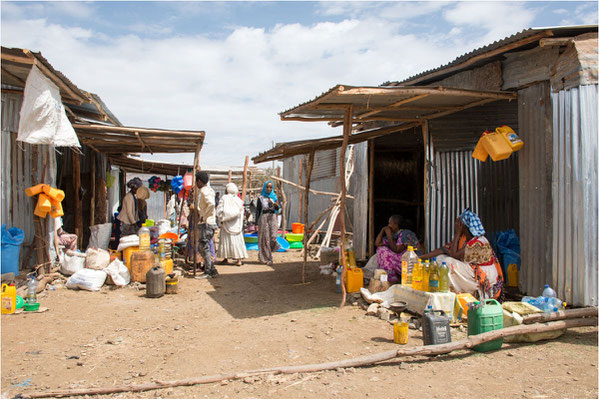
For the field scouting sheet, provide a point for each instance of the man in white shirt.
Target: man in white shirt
(206, 224)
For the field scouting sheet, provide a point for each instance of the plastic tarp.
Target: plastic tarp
(43, 119)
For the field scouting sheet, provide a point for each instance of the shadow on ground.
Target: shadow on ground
(278, 290)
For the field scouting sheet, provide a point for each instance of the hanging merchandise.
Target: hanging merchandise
(499, 144)
(49, 200)
(177, 184)
(187, 180)
(154, 183)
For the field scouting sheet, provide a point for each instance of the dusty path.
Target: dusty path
(256, 316)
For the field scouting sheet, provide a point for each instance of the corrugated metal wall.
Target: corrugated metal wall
(19, 160)
(574, 256)
(452, 181)
(535, 171)
(359, 188)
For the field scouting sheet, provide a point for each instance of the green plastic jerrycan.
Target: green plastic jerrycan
(485, 317)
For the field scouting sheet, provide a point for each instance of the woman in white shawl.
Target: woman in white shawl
(230, 212)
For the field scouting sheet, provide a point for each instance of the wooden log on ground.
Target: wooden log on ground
(560, 315)
(438, 349)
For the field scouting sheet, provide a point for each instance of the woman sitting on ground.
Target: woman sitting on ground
(473, 267)
(230, 213)
(391, 243)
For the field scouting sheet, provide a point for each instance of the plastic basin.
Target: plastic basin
(295, 237)
(250, 238)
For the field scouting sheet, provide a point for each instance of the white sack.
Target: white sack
(100, 236)
(118, 272)
(42, 118)
(73, 261)
(97, 259)
(128, 241)
(164, 225)
(87, 279)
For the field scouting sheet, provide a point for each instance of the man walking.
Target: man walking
(206, 223)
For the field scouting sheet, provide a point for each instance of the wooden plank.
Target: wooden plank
(347, 126)
(95, 127)
(77, 200)
(230, 177)
(281, 188)
(301, 188)
(92, 210)
(245, 171)
(371, 198)
(306, 212)
(425, 141)
(392, 106)
(194, 230)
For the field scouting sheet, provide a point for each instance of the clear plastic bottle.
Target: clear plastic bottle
(548, 292)
(433, 278)
(144, 238)
(408, 259)
(417, 275)
(444, 278)
(32, 289)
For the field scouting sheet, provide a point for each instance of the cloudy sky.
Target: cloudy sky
(229, 68)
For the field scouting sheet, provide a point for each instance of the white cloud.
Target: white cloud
(584, 14)
(76, 9)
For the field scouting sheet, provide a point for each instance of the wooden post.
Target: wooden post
(245, 173)
(196, 167)
(92, 210)
(425, 196)
(283, 202)
(230, 172)
(78, 209)
(347, 127)
(300, 203)
(165, 203)
(306, 210)
(370, 198)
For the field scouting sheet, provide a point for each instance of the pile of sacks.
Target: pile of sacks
(90, 270)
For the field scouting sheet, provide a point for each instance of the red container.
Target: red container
(296, 227)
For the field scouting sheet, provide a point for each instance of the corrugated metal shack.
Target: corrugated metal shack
(547, 191)
(80, 173)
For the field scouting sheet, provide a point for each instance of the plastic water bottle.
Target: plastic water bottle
(548, 292)
(32, 289)
(338, 279)
(433, 279)
(444, 278)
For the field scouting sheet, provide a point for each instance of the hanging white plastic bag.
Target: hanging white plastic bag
(100, 236)
(97, 259)
(42, 117)
(87, 279)
(117, 273)
(72, 262)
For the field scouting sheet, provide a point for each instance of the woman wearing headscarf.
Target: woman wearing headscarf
(229, 213)
(266, 211)
(129, 215)
(473, 266)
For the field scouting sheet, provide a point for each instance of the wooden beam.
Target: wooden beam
(347, 125)
(480, 57)
(306, 212)
(470, 105)
(425, 142)
(196, 168)
(300, 203)
(13, 76)
(283, 201)
(92, 209)
(78, 212)
(546, 42)
(402, 90)
(371, 198)
(229, 177)
(143, 145)
(392, 106)
(95, 127)
(245, 172)
(301, 188)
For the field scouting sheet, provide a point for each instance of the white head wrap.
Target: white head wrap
(231, 188)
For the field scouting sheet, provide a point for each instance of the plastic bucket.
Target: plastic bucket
(11, 248)
(296, 227)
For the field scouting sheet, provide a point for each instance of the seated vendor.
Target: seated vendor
(391, 243)
(473, 267)
(62, 238)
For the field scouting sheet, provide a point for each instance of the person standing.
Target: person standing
(267, 208)
(142, 194)
(206, 223)
(230, 212)
(129, 215)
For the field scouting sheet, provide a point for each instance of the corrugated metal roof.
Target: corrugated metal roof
(534, 34)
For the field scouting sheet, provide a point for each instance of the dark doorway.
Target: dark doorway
(399, 180)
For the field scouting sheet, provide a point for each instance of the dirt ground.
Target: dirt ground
(257, 316)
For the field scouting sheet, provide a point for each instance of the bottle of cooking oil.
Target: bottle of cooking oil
(144, 238)
(408, 259)
(418, 275)
(433, 277)
(444, 278)
(425, 276)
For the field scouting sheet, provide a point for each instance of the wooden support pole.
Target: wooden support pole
(78, 212)
(300, 187)
(245, 173)
(196, 168)
(92, 209)
(230, 172)
(306, 212)
(425, 200)
(300, 203)
(283, 202)
(347, 126)
(370, 359)
(370, 198)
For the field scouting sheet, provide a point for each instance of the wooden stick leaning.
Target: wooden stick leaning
(306, 212)
(445, 348)
(300, 187)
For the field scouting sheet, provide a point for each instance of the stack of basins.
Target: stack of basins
(296, 238)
